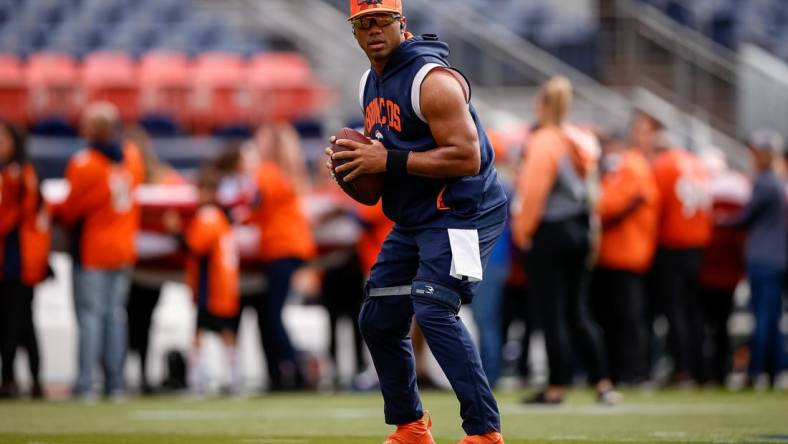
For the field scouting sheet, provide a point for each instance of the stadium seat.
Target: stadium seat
(168, 11)
(134, 36)
(102, 11)
(219, 99)
(112, 76)
(7, 8)
(76, 37)
(13, 92)
(283, 87)
(165, 87)
(204, 30)
(42, 11)
(53, 83)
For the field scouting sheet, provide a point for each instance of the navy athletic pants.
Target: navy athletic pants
(412, 277)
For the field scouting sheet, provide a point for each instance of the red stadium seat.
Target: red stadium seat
(164, 85)
(219, 96)
(112, 76)
(13, 91)
(52, 79)
(283, 86)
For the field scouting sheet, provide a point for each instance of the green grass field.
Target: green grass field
(662, 417)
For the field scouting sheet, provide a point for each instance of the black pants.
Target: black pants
(519, 305)
(717, 307)
(284, 369)
(343, 290)
(618, 302)
(556, 266)
(140, 306)
(16, 323)
(673, 291)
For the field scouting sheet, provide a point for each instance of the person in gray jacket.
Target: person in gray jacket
(764, 218)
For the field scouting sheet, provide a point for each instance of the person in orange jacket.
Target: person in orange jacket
(628, 209)
(212, 272)
(101, 213)
(286, 243)
(685, 227)
(551, 224)
(24, 252)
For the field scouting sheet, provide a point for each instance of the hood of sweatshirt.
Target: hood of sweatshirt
(414, 47)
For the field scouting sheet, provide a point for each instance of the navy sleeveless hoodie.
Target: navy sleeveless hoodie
(392, 115)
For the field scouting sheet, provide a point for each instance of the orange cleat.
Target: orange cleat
(487, 438)
(416, 432)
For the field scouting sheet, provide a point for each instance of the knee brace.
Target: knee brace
(385, 311)
(431, 292)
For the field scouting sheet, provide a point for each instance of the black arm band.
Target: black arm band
(397, 162)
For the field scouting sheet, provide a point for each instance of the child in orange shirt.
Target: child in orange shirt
(212, 272)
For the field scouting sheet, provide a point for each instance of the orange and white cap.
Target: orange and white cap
(362, 7)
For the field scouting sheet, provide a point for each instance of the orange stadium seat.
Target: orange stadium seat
(283, 86)
(52, 79)
(13, 92)
(112, 76)
(219, 96)
(164, 85)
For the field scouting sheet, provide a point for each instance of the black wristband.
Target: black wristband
(397, 162)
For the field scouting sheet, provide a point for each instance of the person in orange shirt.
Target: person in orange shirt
(24, 252)
(101, 213)
(212, 272)
(551, 224)
(685, 227)
(286, 243)
(628, 211)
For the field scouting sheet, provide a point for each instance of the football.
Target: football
(365, 189)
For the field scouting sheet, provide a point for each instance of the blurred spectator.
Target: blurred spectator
(487, 306)
(684, 230)
(144, 295)
(285, 244)
(723, 266)
(765, 221)
(627, 209)
(24, 252)
(279, 144)
(518, 305)
(101, 213)
(212, 272)
(338, 227)
(552, 224)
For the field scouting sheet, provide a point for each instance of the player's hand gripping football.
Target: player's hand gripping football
(360, 159)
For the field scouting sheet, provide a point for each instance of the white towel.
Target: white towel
(465, 258)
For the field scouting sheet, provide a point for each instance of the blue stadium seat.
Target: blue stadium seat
(77, 38)
(7, 9)
(48, 11)
(102, 11)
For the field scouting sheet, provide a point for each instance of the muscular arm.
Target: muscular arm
(443, 105)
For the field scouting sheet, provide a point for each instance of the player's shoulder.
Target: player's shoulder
(441, 80)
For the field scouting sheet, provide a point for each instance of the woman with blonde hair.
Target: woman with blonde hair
(552, 224)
